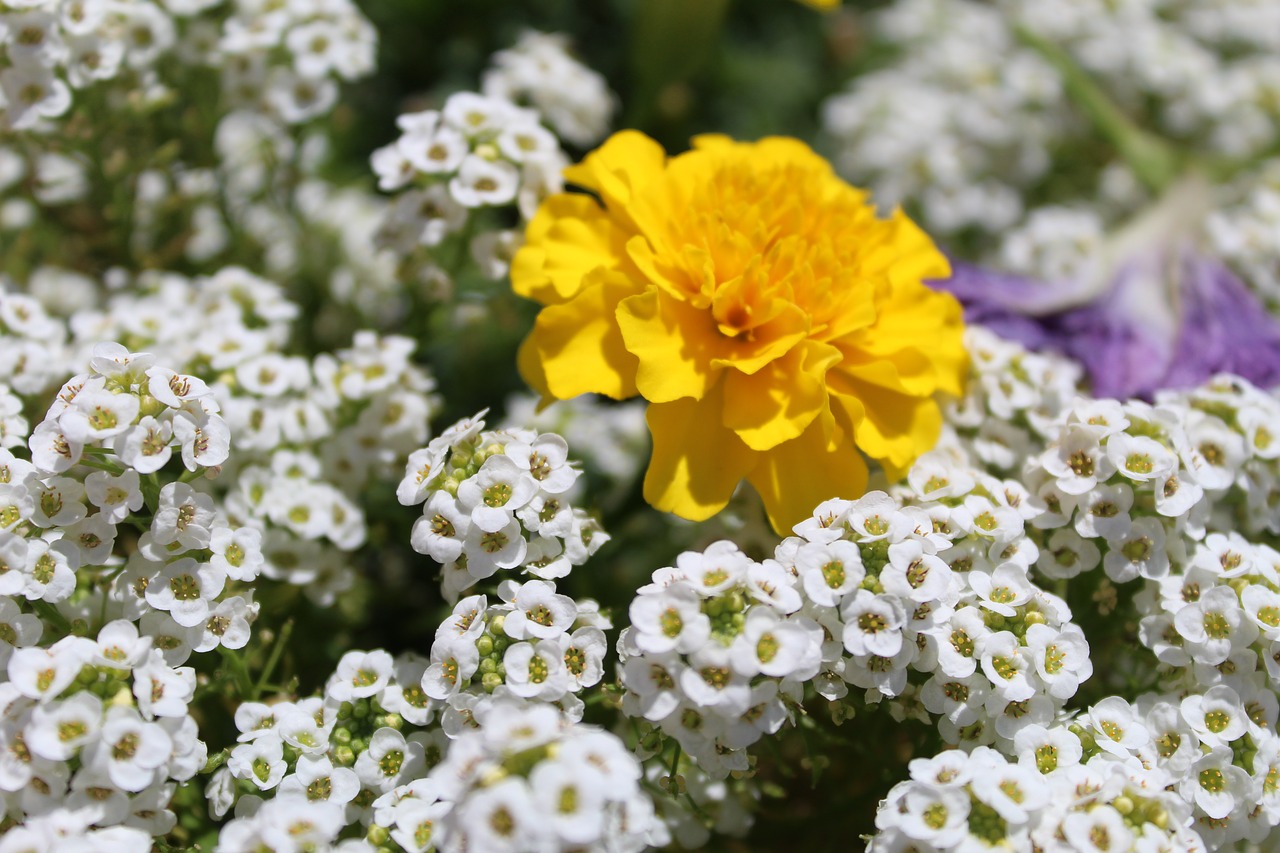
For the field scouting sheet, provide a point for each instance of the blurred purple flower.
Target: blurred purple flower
(1157, 313)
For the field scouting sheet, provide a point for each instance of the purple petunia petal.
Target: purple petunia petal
(1166, 319)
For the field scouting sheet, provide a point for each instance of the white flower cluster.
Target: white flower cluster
(362, 738)
(34, 355)
(968, 123)
(869, 591)
(1135, 486)
(309, 435)
(502, 774)
(52, 47)
(73, 831)
(934, 127)
(137, 409)
(1247, 232)
(1166, 494)
(1215, 618)
(1212, 67)
(717, 653)
(1048, 800)
(287, 58)
(204, 326)
(941, 586)
(534, 643)
(527, 778)
(1193, 770)
(33, 178)
(95, 732)
(1056, 243)
(344, 222)
(95, 728)
(475, 152)
(495, 501)
(573, 100)
(1012, 404)
(282, 58)
(317, 434)
(264, 194)
(609, 437)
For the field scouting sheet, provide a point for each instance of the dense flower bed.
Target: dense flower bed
(942, 515)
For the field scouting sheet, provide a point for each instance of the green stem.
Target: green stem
(101, 465)
(150, 487)
(1154, 160)
(276, 650)
(239, 673)
(105, 582)
(49, 613)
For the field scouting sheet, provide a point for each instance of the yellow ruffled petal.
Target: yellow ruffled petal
(627, 162)
(696, 463)
(796, 476)
(765, 343)
(777, 404)
(896, 428)
(686, 274)
(906, 370)
(576, 346)
(569, 237)
(917, 327)
(905, 253)
(674, 343)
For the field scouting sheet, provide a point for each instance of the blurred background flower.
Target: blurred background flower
(1149, 308)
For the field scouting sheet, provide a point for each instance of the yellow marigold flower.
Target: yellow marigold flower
(774, 323)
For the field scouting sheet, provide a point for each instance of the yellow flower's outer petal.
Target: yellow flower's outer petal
(896, 428)
(529, 363)
(674, 342)
(776, 404)
(905, 253)
(696, 463)
(907, 371)
(576, 347)
(627, 162)
(912, 315)
(919, 326)
(569, 236)
(796, 476)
